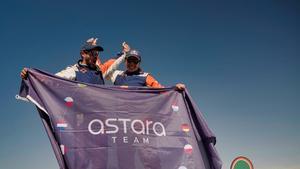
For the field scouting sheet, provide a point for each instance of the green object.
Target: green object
(241, 164)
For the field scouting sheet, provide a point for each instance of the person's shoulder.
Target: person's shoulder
(69, 72)
(72, 67)
(144, 74)
(115, 74)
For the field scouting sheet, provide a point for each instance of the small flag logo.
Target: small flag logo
(61, 125)
(185, 127)
(175, 108)
(188, 149)
(69, 101)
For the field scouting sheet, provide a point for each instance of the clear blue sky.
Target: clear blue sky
(239, 59)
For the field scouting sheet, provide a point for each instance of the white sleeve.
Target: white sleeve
(114, 66)
(68, 73)
(112, 76)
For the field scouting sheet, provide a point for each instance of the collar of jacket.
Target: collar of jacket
(87, 67)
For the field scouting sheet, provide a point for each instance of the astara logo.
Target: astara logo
(241, 163)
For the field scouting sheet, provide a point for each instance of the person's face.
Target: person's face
(90, 57)
(132, 64)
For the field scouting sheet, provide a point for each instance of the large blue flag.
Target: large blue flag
(111, 127)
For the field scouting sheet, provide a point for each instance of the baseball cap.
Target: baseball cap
(91, 44)
(134, 53)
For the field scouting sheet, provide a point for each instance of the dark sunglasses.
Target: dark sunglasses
(94, 53)
(135, 61)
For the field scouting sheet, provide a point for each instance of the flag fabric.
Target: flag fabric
(110, 127)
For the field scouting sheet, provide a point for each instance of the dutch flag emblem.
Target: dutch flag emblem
(61, 125)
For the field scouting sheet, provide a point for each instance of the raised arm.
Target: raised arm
(68, 73)
(111, 65)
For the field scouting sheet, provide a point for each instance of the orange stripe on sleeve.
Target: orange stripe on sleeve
(151, 82)
(104, 67)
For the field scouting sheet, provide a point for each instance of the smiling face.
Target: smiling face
(132, 64)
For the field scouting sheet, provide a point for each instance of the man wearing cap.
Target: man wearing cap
(134, 76)
(89, 68)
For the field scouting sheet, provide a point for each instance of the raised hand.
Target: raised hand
(126, 47)
(180, 86)
(24, 73)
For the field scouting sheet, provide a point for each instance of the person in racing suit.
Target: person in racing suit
(89, 68)
(134, 75)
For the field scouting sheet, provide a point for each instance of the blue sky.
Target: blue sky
(239, 59)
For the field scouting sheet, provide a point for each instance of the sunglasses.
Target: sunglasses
(94, 53)
(135, 61)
